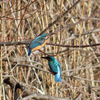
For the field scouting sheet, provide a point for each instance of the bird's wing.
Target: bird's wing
(55, 67)
(37, 42)
(59, 68)
(52, 71)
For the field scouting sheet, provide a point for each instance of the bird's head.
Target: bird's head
(46, 35)
(49, 58)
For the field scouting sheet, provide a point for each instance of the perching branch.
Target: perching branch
(75, 46)
(72, 37)
(27, 42)
(15, 43)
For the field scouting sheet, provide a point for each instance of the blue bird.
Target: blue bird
(39, 42)
(55, 68)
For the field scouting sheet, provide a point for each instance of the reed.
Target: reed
(75, 44)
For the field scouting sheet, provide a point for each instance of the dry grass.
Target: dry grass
(23, 20)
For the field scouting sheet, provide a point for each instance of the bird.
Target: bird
(55, 67)
(38, 42)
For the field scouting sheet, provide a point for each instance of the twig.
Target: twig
(75, 46)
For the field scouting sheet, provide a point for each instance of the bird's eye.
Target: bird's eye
(46, 37)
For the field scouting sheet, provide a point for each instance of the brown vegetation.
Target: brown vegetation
(75, 44)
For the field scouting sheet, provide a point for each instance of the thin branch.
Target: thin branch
(27, 42)
(75, 46)
(14, 43)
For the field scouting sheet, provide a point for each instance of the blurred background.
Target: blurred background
(75, 44)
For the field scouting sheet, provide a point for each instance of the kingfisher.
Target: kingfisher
(39, 42)
(55, 67)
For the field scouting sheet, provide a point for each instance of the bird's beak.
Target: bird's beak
(49, 34)
(45, 58)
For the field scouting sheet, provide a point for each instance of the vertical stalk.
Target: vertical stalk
(91, 69)
(1, 73)
(52, 16)
(3, 32)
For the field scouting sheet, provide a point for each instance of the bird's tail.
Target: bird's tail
(29, 52)
(58, 78)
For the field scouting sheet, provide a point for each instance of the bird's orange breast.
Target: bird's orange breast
(40, 46)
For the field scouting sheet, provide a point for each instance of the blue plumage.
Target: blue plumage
(38, 42)
(55, 68)
(29, 52)
(58, 78)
